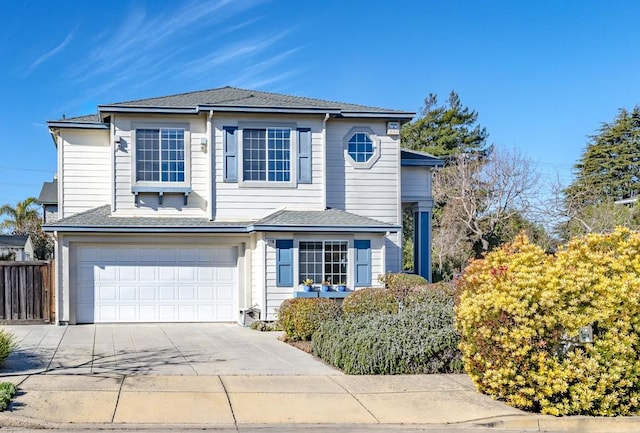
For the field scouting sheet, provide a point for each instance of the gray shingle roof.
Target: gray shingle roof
(235, 97)
(49, 193)
(231, 99)
(330, 220)
(87, 118)
(415, 158)
(13, 240)
(100, 218)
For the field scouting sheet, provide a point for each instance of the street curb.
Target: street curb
(576, 423)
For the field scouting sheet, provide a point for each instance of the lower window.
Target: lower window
(323, 261)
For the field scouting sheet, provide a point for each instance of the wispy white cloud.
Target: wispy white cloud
(46, 56)
(259, 74)
(202, 43)
(240, 50)
(156, 38)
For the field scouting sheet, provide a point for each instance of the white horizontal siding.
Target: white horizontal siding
(371, 192)
(416, 183)
(172, 204)
(86, 168)
(238, 201)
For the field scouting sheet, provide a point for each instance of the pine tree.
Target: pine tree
(446, 130)
(609, 168)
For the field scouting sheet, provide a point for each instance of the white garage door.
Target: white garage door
(155, 284)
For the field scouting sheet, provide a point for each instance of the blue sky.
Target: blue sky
(543, 75)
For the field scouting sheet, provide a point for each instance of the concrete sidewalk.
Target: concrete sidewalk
(229, 400)
(108, 401)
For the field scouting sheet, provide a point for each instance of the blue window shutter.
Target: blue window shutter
(230, 170)
(304, 155)
(284, 263)
(363, 262)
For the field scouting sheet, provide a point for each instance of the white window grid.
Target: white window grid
(266, 154)
(323, 261)
(360, 147)
(160, 155)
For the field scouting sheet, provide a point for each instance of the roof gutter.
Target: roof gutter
(321, 229)
(231, 229)
(83, 125)
(163, 110)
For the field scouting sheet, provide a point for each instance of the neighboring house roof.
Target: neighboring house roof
(49, 193)
(422, 159)
(13, 241)
(235, 100)
(330, 220)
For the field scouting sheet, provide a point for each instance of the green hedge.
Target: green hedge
(420, 339)
(401, 284)
(300, 317)
(370, 300)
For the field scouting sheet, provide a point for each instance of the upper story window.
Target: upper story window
(266, 155)
(361, 147)
(160, 155)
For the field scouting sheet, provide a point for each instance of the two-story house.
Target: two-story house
(194, 206)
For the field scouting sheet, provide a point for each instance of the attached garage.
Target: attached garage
(155, 283)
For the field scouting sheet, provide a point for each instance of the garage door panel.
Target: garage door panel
(167, 293)
(224, 292)
(106, 274)
(147, 293)
(147, 273)
(128, 293)
(147, 313)
(167, 313)
(186, 273)
(167, 273)
(159, 283)
(186, 293)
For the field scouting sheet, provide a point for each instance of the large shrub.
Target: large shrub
(520, 314)
(419, 339)
(400, 284)
(370, 300)
(300, 317)
(436, 292)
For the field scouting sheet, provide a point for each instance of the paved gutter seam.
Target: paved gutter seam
(93, 349)
(355, 398)
(179, 351)
(115, 409)
(66, 327)
(226, 393)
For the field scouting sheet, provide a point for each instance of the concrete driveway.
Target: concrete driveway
(156, 349)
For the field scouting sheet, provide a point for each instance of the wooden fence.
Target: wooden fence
(26, 292)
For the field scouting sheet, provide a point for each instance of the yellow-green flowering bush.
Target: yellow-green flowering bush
(520, 313)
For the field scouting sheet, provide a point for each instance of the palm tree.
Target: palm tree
(21, 219)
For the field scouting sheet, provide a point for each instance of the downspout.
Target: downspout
(324, 160)
(56, 279)
(60, 146)
(211, 161)
(114, 150)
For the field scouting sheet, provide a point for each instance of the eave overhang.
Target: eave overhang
(77, 125)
